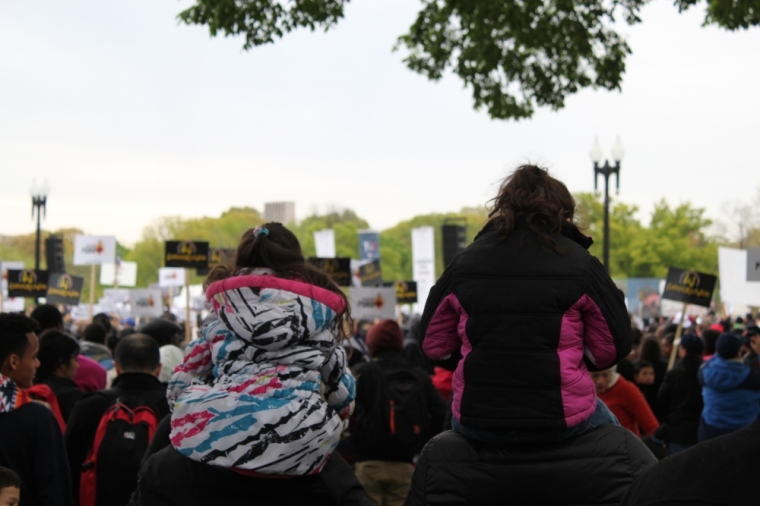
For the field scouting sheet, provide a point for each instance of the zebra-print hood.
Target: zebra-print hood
(266, 388)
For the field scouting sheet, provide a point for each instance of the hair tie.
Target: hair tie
(260, 230)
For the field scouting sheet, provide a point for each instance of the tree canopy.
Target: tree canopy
(514, 55)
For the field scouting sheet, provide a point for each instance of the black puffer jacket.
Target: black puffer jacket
(521, 324)
(595, 468)
(169, 479)
(680, 400)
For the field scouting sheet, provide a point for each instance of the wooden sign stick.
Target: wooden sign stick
(188, 326)
(677, 338)
(92, 289)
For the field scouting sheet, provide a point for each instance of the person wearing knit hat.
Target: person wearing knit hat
(731, 391)
(383, 456)
(386, 335)
(679, 400)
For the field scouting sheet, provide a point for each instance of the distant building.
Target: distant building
(282, 212)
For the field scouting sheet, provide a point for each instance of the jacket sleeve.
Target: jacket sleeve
(439, 337)
(642, 413)
(197, 364)
(608, 335)
(340, 385)
(665, 395)
(51, 469)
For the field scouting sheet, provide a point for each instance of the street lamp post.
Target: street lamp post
(39, 204)
(607, 170)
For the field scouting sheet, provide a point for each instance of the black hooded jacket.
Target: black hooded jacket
(594, 468)
(680, 400)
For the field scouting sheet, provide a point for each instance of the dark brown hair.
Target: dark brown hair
(530, 197)
(278, 249)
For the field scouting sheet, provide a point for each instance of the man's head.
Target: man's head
(691, 345)
(729, 345)
(643, 373)
(603, 379)
(138, 353)
(58, 355)
(10, 487)
(104, 320)
(18, 348)
(95, 333)
(163, 331)
(385, 335)
(48, 317)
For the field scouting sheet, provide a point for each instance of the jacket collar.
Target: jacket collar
(12, 396)
(569, 230)
(137, 381)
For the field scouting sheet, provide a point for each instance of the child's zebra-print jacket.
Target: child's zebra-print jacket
(265, 390)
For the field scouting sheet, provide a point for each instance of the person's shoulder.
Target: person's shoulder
(35, 416)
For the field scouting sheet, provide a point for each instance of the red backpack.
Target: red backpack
(109, 473)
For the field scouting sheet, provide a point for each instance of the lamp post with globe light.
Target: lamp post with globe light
(607, 170)
(39, 204)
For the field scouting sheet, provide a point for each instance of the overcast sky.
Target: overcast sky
(132, 116)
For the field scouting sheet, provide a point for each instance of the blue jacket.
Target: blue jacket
(731, 393)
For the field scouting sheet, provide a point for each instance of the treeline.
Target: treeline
(673, 236)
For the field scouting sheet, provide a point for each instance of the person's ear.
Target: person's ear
(118, 368)
(13, 362)
(157, 372)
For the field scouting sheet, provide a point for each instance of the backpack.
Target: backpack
(109, 473)
(398, 417)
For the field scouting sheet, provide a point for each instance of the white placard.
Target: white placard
(82, 312)
(423, 264)
(94, 249)
(368, 303)
(324, 241)
(117, 295)
(734, 287)
(14, 265)
(14, 305)
(125, 274)
(171, 276)
(146, 303)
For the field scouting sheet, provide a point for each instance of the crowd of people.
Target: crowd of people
(525, 381)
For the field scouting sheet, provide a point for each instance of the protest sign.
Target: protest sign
(690, 287)
(27, 283)
(14, 303)
(119, 274)
(338, 269)
(94, 249)
(117, 295)
(643, 297)
(324, 242)
(64, 289)
(82, 312)
(369, 245)
(423, 264)
(146, 303)
(734, 287)
(217, 256)
(171, 276)
(368, 303)
(406, 292)
(187, 254)
(370, 274)
(753, 264)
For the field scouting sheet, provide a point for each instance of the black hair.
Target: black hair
(530, 197)
(56, 349)
(137, 353)
(637, 336)
(711, 340)
(9, 478)
(48, 317)
(13, 331)
(104, 320)
(95, 333)
(642, 364)
(278, 249)
(650, 351)
(163, 331)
